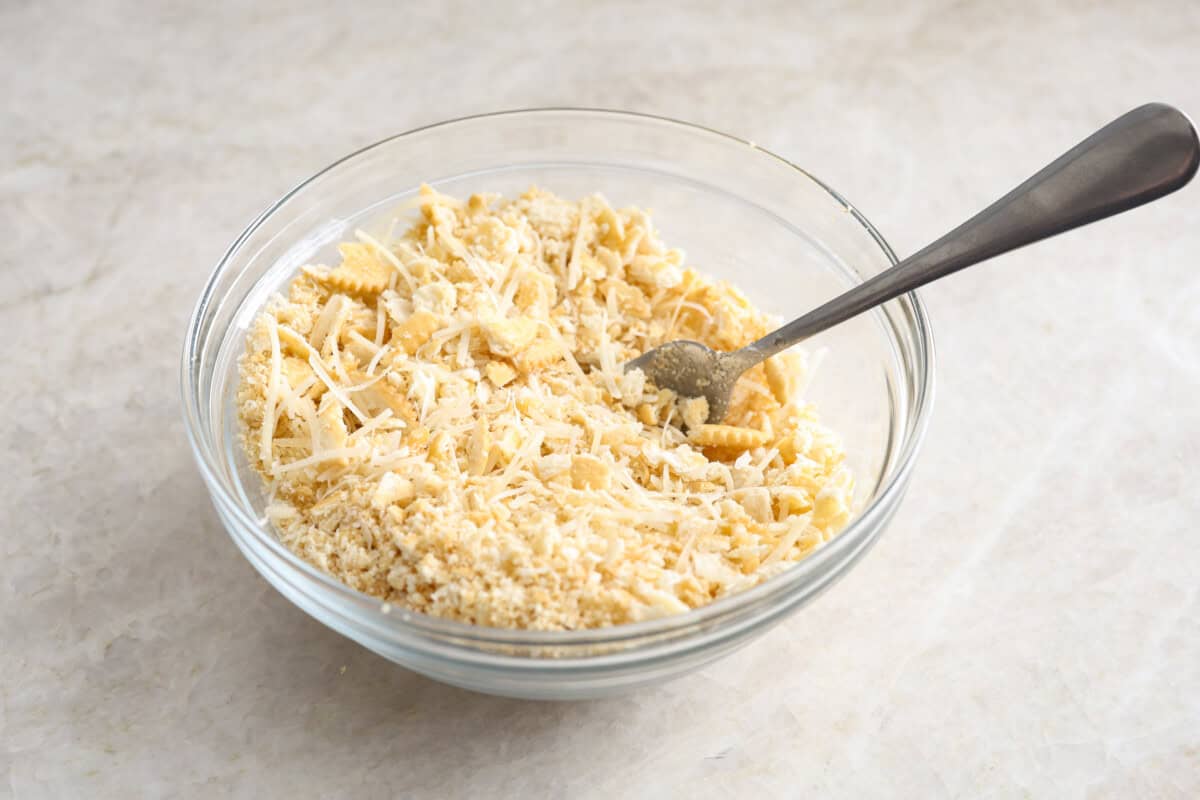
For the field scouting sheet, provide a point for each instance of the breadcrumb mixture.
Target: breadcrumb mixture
(442, 421)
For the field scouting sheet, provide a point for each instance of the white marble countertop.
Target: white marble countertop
(1029, 626)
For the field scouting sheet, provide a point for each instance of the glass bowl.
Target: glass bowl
(739, 212)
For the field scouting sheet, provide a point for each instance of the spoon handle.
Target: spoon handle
(1149, 152)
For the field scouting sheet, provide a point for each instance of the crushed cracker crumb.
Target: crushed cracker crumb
(442, 421)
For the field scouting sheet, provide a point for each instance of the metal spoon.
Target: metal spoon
(1141, 156)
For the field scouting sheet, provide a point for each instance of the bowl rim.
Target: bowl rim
(454, 633)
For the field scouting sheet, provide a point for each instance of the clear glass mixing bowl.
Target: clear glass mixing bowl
(738, 211)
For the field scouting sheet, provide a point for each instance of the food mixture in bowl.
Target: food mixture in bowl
(442, 421)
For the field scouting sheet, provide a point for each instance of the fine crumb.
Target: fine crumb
(693, 411)
(442, 421)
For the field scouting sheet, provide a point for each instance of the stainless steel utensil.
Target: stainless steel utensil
(1141, 156)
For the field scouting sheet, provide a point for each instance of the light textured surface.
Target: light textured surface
(1028, 627)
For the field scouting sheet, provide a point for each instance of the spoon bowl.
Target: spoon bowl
(691, 369)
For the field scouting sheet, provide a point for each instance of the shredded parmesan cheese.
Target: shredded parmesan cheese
(465, 442)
